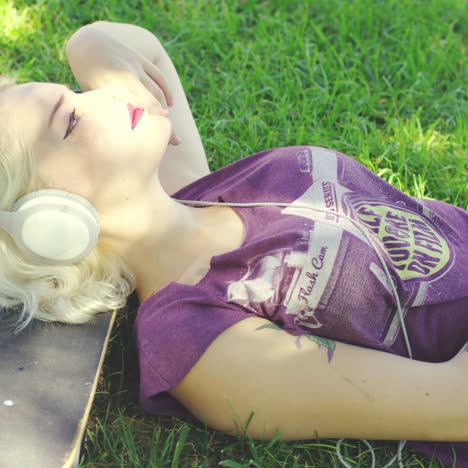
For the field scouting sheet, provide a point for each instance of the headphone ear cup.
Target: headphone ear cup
(56, 227)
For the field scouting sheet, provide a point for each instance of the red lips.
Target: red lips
(135, 114)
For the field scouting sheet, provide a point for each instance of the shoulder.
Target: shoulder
(177, 324)
(275, 167)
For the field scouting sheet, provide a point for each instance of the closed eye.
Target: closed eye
(72, 123)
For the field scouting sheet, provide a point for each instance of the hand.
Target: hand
(155, 90)
(99, 60)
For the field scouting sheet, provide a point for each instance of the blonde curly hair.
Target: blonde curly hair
(73, 293)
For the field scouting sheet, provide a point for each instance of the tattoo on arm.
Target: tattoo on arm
(329, 345)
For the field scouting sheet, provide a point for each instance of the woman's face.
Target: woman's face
(84, 143)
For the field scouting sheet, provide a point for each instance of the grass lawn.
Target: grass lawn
(383, 81)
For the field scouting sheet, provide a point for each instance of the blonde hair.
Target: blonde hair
(73, 293)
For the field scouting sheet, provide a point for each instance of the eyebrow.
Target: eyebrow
(55, 109)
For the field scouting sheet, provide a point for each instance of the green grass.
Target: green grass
(382, 81)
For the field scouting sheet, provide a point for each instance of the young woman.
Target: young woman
(335, 306)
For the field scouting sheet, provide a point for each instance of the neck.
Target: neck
(160, 239)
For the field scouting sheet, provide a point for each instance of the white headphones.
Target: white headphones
(52, 227)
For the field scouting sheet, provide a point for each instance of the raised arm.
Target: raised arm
(105, 54)
(334, 390)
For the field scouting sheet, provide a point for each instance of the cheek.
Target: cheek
(63, 172)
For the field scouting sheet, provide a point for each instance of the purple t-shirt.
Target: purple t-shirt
(316, 271)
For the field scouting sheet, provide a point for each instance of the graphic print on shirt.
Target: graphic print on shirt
(415, 248)
(315, 271)
(260, 285)
(312, 286)
(407, 241)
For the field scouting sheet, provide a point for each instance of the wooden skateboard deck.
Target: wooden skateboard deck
(48, 378)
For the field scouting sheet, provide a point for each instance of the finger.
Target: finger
(175, 139)
(154, 89)
(158, 77)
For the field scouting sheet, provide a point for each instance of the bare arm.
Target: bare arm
(133, 36)
(353, 393)
(94, 53)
